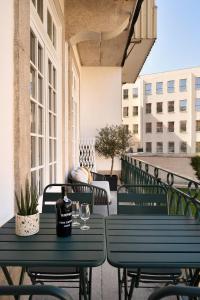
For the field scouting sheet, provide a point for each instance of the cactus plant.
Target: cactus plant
(27, 201)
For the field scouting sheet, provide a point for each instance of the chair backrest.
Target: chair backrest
(75, 192)
(35, 290)
(142, 199)
(191, 292)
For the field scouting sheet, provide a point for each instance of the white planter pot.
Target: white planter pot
(27, 225)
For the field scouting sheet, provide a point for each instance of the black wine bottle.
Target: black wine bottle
(63, 215)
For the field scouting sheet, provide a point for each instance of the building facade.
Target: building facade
(62, 66)
(163, 112)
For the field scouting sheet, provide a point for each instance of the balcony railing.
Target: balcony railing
(183, 192)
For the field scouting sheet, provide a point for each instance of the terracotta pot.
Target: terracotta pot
(26, 225)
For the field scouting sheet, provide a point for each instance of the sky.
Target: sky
(178, 37)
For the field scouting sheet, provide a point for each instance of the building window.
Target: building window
(126, 128)
(171, 147)
(159, 87)
(125, 112)
(159, 127)
(170, 106)
(135, 110)
(159, 107)
(183, 126)
(148, 127)
(183, 105)
(39, 7)
(135, 92)
(135, 128)
(125, 94)
(51, 28)
(148, 108)
(182, 85)
(183, 147)
(148, 88)
(159, 147)
(197, 83)
(197, 147)
(197, 104)
(170, 86)
(148, 147)
(197, 125)
(170, 126)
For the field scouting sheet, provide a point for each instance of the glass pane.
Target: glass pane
(32, 47)
(49, 25)
(40, 89)
(32, 83)
(33, 179)
(49, 71)
(41, 185)
(54, 126)
(40, 144)
(40, 58)
(54, 102)
(33, 2)
(55, 152)
(33, 151)
(54, 35)
(40, 8)
(50, 125)
(40, 120)
(33, 117)
(50, 174)
(54, 77)
(50, 150)
(54, 173)
(50, 100)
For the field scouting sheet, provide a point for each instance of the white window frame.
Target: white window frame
(40, 30)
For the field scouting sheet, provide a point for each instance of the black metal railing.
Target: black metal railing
(183, 192)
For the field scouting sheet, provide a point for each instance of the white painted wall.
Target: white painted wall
(100, 104)
(6, 111)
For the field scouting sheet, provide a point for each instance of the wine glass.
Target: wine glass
(75, 213)
(85, 215)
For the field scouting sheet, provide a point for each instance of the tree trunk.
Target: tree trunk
(112, 164)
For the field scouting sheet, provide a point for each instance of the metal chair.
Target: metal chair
(34, 290)
(51, 194)
(143, 200)
(99, 193)
(191, 292)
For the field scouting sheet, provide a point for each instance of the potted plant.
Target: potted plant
(111, 142)
(27, 217)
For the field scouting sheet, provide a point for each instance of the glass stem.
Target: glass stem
(84, 223)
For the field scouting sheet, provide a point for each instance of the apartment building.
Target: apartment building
(162, 111)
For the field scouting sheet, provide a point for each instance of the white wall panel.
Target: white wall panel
(6, 111)
(100, 103)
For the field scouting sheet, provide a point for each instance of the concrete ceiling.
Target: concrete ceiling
(99, 29)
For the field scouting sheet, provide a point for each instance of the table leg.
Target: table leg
(8, 278)
(21, 280)
(83, 283)
(7, 275)
(119, 284)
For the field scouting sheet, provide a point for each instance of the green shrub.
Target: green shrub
(195, 162)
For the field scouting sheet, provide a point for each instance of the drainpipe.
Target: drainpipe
(134, 20)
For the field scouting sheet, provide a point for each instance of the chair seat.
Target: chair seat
(48, 272)
(157, 274)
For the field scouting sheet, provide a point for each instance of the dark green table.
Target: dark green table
(153, 241)
(82, 249)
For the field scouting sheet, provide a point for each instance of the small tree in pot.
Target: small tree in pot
(112, 141)
(27, 217)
